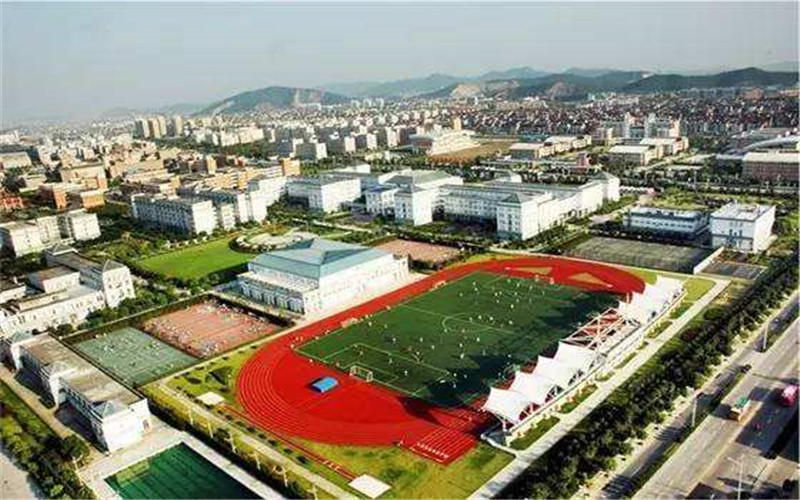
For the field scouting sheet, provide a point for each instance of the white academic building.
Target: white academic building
(185, 215)
(63, 294)
(327, 194)
(744, 228)
(686, 223)
(117, 416)
(315, 275)
(442, 141)
(518, 209)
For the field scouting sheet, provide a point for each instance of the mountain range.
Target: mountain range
(513, 83)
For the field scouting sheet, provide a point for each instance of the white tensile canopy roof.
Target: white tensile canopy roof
(556, 371)
(670, 285)
(576, 356)
(658, 294)
(506, 404)
(535, 388)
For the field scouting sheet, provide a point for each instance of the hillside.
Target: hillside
(573, 86)
(739, 78)
(273, 98)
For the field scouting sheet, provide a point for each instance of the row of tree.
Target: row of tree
(51, 461)
(646, 398)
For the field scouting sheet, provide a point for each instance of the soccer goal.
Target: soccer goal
(361, 372)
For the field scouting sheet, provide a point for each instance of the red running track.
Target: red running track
(274, 385)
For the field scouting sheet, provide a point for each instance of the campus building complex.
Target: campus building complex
(117, 416)
(63, 294)
(315, 275)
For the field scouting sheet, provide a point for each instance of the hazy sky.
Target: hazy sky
(80, 59)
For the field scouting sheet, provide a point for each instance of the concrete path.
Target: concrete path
(15, 482)
(570, 420)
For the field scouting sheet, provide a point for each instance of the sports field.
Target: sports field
(178, 472)
(208, 328)
(196, 261)
(641, 254)
(450, 345)
(134, 356)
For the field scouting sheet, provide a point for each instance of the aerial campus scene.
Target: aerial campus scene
(443, 250)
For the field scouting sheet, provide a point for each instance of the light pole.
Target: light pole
(741, 476)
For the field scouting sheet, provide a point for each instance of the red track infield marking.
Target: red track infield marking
(274, 385)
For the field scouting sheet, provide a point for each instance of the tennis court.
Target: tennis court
(134, 356)
(178, 472)
(450, 345)
(641, 254)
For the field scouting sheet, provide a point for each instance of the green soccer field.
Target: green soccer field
(134, 356)
(451, 344)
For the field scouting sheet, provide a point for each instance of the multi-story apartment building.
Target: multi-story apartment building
(23, 237)
(186, 215)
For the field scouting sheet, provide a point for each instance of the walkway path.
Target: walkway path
(272, 454)
(16, 483)
(570, 420)
(34, 402)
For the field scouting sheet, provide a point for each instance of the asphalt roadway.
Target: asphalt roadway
(713, 453)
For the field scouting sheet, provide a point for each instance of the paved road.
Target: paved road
(570, 420)
(617, 483)
(703, 457)
(15, 482)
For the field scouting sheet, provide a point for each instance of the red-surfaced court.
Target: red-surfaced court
(275, 392)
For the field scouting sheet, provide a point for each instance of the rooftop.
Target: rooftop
(316, 258)
(742, 212)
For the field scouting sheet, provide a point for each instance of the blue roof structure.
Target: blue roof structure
(316, 258)
(324, 384)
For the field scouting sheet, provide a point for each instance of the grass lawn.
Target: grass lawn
(451, 344)
(578, 398)
(534, 433)
(412, 476)
(196, 261)
(218, 375)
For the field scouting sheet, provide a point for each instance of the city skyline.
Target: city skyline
(77, 61)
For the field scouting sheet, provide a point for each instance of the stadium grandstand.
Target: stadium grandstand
(591, 351)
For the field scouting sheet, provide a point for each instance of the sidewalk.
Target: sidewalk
(570, 420)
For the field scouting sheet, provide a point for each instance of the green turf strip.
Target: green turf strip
(450, 345)
(178, 472)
